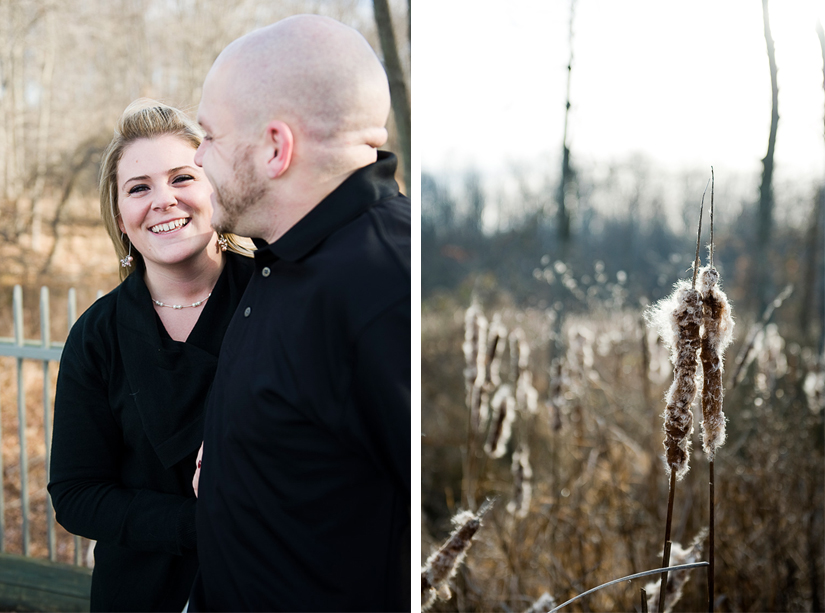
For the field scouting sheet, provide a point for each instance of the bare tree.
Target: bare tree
(567, 174)
(765, 214)
(398, 84)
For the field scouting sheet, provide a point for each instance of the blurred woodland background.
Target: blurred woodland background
(563, 260)
(68, 69)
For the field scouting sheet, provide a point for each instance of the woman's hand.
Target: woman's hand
(197, 471)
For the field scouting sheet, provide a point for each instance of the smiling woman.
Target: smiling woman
(165, 209)
(134, 375)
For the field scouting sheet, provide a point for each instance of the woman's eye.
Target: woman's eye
(183, 178)
(137, 188)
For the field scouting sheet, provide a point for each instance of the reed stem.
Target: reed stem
(711, 542)
(666, 552)
(646, 573)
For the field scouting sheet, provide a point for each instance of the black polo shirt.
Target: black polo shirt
(305, 485)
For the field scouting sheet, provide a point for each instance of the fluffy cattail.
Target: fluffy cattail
(522, 473)
(543, 604)
(527, 396)
(489, 378)
(475, 347)
(442, 565)
(519, 353)
(676, 580)
(679, 318)
(503, 406)
(716, 336)
(475, 356)
(496, 339)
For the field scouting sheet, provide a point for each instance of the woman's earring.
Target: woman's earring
(126, 262)
(221, 244)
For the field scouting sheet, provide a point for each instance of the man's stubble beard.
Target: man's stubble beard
(236, 196)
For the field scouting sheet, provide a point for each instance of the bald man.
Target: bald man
(304, 491)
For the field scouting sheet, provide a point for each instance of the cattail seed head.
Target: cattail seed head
(475, 347)
(679, 318)
(527, 396)
(496, 339)
(717, 333)
(503, 409)
(519, 353)
(442, 565)
(522, 474)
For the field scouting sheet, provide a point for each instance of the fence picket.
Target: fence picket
(21, 419)
(46, 338)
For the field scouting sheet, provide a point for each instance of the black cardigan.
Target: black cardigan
(127, 427)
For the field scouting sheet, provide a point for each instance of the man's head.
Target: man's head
(290, 111)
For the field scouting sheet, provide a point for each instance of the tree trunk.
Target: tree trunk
(765, 214)
(567, 174)
(398, 85)
(42, 152)
(819, 255)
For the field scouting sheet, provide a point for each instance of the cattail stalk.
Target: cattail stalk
(675, 586)
(442, 565)
(717, 333)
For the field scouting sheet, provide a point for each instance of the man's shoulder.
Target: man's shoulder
(376, 242)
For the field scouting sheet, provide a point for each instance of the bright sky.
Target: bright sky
(685, 83)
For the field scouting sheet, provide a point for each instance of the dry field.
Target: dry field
(595, 509)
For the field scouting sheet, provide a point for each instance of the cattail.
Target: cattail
(527, 396)
(519, 353)
(442, 565)
(503, 406)
(475, 355)
(496, 339)
(679, 318)
(475, 347)
(522, 473)
(716, 336)
(676, 579)
(543, 604)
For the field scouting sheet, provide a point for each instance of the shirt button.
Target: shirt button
(265, 272)
(247, 311)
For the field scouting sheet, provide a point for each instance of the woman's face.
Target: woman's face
(164, 201)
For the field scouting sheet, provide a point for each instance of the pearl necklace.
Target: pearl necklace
(181, 306)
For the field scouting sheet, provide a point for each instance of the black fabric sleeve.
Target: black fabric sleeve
(381, 388)
(89, 497)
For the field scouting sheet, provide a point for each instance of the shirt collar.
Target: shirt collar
(360, 191)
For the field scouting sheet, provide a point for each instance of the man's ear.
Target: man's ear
(280, 145)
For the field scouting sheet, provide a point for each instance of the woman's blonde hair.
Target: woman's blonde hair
(144, 118)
